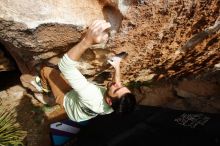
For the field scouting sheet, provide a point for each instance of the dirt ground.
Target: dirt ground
(31, 115)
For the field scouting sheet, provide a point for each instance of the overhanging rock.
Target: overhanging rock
(164, 39)
(36, 31)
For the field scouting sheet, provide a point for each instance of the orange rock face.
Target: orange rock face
(169, 39)
(164, 39)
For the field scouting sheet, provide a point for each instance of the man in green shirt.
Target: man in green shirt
(81, 99)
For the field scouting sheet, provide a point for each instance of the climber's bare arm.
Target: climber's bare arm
(95, 34)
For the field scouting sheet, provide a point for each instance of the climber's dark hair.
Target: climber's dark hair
(124, 104)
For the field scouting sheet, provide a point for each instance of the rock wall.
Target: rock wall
(169, 39)
(165, 39)
(34, 32)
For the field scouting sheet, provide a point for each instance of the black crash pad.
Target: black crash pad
(152, 126)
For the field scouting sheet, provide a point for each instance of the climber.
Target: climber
(81, 99)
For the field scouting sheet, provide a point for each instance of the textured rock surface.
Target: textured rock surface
(170, 39)
(34, 32)
(164, 39)
(34, 13)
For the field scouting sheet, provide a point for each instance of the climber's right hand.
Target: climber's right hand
(96, 32)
